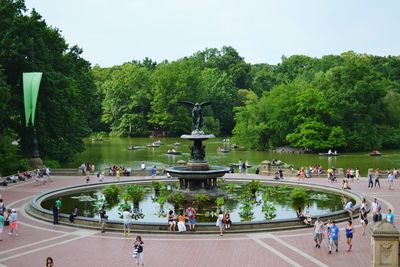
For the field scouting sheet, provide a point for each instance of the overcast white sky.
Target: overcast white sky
(114, 32)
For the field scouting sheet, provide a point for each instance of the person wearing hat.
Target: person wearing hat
(13, 222)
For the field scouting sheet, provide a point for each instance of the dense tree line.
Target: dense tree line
(141, 96)
(68, 105)
(344, 102)
(348, 102)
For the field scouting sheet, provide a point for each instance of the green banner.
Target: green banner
(31, 82)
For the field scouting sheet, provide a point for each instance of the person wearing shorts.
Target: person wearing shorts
(127, 216)
(349, 235)
(191, 214)
(13, 222)
(318, 232)
(333, 237)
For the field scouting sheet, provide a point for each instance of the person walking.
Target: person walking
(349, 234)
(73, 214)
(102, 218)
(220, 223)
(13, 222)
(55, 214)
(363, 219)
(358, 174)
(1, 226)
(391, 178)
(318, 232)
(374, 209)
(118, 174)
(370, 182)
(138, 252)
(47, 173)
(333, 237)
(127, 216)
(191, 214)
(377, 176)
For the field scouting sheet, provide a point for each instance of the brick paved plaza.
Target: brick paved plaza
(82, 247)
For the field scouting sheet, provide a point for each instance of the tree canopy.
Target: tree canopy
(67, 106)
(348, 102)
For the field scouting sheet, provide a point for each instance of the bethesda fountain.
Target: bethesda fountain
(197, 176)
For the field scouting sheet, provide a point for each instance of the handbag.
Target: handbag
(366, 221)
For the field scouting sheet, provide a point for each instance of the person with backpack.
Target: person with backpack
(191, 214)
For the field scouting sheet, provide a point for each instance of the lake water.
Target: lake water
(115, 151)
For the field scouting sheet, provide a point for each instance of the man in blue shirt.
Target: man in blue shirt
(333, 237)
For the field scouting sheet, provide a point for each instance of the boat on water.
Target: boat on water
(174, 153)
(329, 154)
(223, 150)
(375, 153)
(97, 139)
(153, 145)
(158, 142)
(135, 147)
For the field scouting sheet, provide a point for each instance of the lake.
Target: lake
(114, 150)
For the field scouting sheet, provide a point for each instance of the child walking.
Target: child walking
(138, 252)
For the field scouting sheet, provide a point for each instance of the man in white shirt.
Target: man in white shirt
(127, 216)
(318, 231)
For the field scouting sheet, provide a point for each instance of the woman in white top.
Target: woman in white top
(220, 223)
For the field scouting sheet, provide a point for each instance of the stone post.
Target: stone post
(265, 168)
(385, 245)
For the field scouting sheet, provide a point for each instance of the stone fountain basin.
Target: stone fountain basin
(186, 173)
(34, 209)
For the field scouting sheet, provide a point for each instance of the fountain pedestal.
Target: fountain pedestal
(198, 176)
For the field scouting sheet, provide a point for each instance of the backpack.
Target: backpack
(190, 213)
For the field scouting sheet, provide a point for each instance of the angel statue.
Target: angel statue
(197, 113)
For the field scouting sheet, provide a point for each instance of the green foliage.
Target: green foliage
(122, 207)
(52, 164)
(231, 187)
(246, 211)
(220, 201)
(156, 185)
(177, 198)
(67, 105)
(298, 195)
(135, 192)
(346, 102)
(253, 186)
(269, 211)
(201, 199)
(111, 192)
(162, 198)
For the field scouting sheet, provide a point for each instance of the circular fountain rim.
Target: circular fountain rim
(36, 210)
